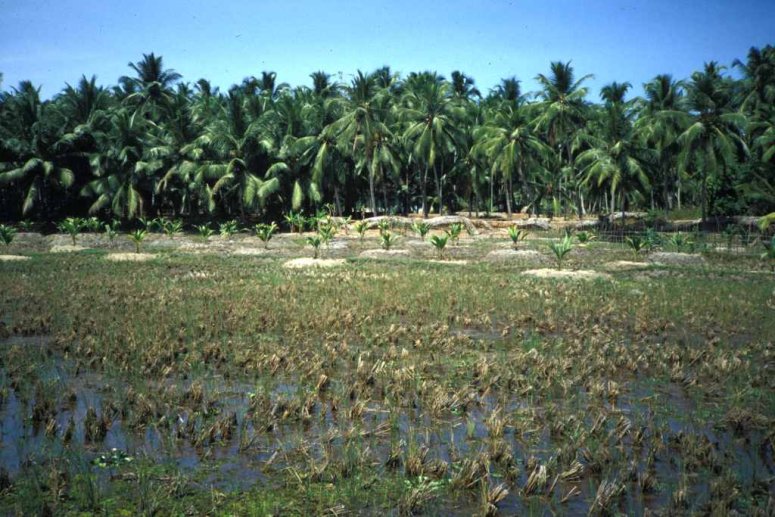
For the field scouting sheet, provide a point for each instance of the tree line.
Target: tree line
(382, 143)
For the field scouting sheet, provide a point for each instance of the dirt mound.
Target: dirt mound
(66, 248)
(450, 262)
(129, 257)
(306, 262)
(676, 259)
(625, 265)
(13, 258)
(384, 254)
(515, 255)
(580, 274)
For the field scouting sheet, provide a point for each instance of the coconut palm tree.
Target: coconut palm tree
(431, 118)
(714, 137)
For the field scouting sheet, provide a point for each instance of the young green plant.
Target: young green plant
(265, 231)
(516, 235)
(137, 237)
(561, 249)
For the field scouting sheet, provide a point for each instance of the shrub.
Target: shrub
(7, 233)
(265, 232)
(72, 226)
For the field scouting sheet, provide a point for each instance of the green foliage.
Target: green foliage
(360, 228)
(265, 231)
(204, 230)
(173, 228)
(384, 226)
(137, 237)
(295, 221)
(92, 224)
(439, 242)
(516, 235)
(421, 228)
(585, 237)
(680, 242)
(327, 232)
(769, 252)
(636, 243)
(388, 239)
(561, 249)
(228, 228)
(111, 229)
(71, 226)
(7, 234)
(454, 232)
(653, 239)
(315, 241)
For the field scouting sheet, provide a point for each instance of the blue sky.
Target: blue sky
(53, 42)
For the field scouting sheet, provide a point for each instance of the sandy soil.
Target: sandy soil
(306, 262)
(450, 262)
(580, 274)
(679, 259)
(66, 248)
(511, 254)
(625, 265)
(13, 258)
(130, 257)
(384, 254)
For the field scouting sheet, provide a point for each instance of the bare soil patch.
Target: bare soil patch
(512, 254)
(384, 254)
(130, 257)
(13, 258)
(306, 262)
(678, 259)
(580, 274)
(65, 248)
(625, 265)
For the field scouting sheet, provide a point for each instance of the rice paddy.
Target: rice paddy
(210, 380)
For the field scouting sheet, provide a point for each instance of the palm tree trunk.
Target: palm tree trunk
(371, 192)
(439, 186)
(508, 195)
(424, 192)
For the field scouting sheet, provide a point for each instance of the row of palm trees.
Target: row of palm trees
(388, 144)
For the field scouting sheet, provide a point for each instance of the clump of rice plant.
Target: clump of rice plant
(561, 249)
(265, 231)
(516, 235)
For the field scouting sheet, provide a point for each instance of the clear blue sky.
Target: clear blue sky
(55, 41)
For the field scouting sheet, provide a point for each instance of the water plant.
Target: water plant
(265, 231)
(561, 249)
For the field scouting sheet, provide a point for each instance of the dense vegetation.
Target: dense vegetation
(389, 144)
